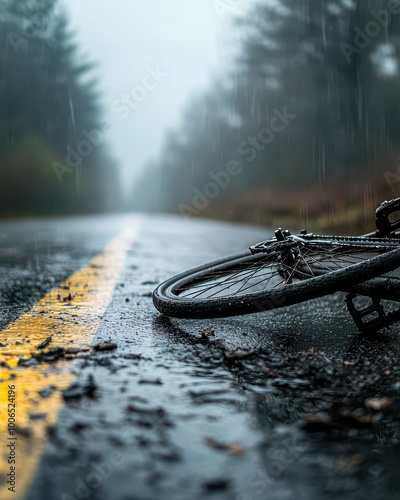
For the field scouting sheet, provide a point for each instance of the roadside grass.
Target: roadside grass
(351, 220)
(338, 208)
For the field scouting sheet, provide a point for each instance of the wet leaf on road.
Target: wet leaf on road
(78, 390)
(37, 416)
(208, 332)
(159, 411)
(270, 373)
(232, 448)
(47, 391)
(155, 381)
(350, 462)
(317, 423)
(45, 343)
(68, 298)
(105, 346)
(378, 403)
(218, 484)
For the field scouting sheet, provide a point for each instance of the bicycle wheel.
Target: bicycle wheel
(275, 274)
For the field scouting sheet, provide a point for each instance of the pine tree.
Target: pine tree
(47, 102)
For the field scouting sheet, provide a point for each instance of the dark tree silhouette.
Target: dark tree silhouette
(332, 63)
(48, 106)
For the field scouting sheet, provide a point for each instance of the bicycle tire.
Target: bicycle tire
(169, 302)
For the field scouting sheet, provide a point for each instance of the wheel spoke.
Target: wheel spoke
(273, 269)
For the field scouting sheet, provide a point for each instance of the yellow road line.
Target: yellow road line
(71, 323)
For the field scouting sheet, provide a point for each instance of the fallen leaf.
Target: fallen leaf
(271, 373)
(237, 356)
(80, 389)
(317, 423)
(310, 352)
(155, 381)
(105, 346)
(218, 484)
(207, 332)
(45, 342)
(350, 462)
(232, 448)
(378, 403)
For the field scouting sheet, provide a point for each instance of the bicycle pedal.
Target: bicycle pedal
(359, 315)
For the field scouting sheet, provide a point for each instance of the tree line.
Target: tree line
(53, 160)
(308, 105)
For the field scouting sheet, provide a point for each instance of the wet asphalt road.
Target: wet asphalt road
(188, 418)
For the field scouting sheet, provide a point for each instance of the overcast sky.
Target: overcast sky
(130, 39)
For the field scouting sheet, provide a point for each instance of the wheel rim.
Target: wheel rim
(272, 270)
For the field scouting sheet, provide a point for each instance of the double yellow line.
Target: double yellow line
(70, 314)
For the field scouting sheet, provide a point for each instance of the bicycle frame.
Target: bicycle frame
(373, 317)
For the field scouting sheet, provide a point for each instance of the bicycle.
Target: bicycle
(288, 269)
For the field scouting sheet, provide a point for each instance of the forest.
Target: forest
(301, 126)
(52, 153)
